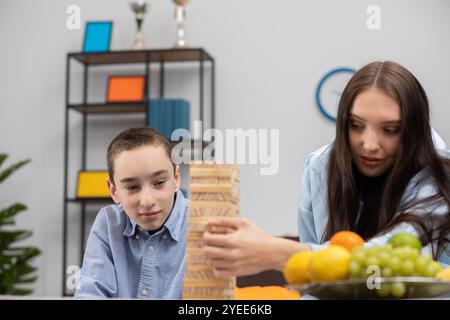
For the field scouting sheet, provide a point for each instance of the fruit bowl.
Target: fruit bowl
(413, 288)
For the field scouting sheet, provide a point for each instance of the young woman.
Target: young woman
(382, 175)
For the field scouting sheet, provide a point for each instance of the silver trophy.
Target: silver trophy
(180, 14)
(139, 9)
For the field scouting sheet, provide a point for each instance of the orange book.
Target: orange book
(125, 88)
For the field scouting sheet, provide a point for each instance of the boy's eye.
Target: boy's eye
(160, 183)
(132, 188)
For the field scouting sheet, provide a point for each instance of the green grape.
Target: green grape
(388, 248)
(432, 269)
(354, 269)
(422, 264)
(359, 249)
(363, 273)
(374, 251)
(384, 290)
(395, 264)
(372, 261)
(398, 289)
(387, 272)
(383, 258)
(411, 253)
(359, 256)
(407, 268)
(402, 253)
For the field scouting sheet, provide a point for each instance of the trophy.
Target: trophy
(139, 10)
(180, 14)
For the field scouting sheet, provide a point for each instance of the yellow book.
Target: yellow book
(92, 184)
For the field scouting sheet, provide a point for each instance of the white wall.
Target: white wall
(269, 57)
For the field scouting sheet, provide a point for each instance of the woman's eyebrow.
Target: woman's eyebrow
(352, 115)
(392, 122)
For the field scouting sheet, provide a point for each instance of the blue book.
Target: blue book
(167, 115)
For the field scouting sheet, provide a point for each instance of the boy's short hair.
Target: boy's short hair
(134, 138)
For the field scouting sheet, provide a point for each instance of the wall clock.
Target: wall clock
(329, 90)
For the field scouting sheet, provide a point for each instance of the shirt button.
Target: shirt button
(151, 248)
(165, 236)
(137, 237)
(144, 292)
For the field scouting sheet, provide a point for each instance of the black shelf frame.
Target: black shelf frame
(159, 57)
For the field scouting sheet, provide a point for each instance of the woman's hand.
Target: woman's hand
(246, 250)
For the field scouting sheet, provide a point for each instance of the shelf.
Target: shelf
(163, 60)
(116, 107)
(89, 200)
(142, 56)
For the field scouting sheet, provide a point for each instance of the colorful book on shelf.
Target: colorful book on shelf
(92, 184)
(125, 88)
(97, 36)
(167, 115)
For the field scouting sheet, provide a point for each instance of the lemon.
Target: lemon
(296, 269)
(330, 264)
(444, 274)
(403, 239)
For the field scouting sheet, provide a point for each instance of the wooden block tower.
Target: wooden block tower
(214, 192)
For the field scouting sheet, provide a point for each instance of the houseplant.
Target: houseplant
(16, 272)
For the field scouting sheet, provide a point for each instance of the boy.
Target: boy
(136, 247)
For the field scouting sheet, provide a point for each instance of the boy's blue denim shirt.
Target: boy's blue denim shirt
(123, 261)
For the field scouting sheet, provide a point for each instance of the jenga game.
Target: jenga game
(214, 192)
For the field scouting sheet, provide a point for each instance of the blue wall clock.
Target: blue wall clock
(329, 90)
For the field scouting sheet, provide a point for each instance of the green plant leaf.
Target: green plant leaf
(13, 236)
(27, 280)
(23, 269)
(15, 267)
(7, 215)
(7, 172)
(30, 253)
(21, 292)
(3, 157)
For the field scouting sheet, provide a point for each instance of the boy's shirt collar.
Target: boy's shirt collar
(173, 224)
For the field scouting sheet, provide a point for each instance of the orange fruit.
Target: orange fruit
(329, 264)
(347, 239)
(296, 269)
(265, 293)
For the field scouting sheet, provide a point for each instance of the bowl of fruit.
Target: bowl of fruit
(349, 269)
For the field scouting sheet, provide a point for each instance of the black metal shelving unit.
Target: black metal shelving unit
(161, 57)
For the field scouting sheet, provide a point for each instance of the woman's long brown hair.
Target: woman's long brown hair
(416, 152)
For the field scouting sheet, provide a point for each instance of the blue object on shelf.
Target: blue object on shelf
(97, 36)
(167, 115)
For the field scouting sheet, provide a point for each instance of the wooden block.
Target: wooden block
(198, 172)
(209, 209)
(195, 256)
(215, 197)
(208, 293)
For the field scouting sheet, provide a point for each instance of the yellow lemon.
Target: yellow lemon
(444, 274)
(330, 264)
(296, 269)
